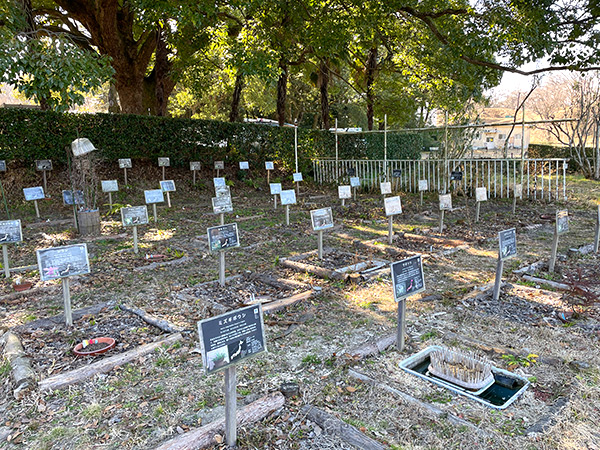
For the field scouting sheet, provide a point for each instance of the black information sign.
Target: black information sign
(397, 173)
(134, 215)
(407, 277)
(562, 221)
(508, 243)
(456, 175)
(43, 164)
(69, 200)
(351, 171)
(61, 262)
(10, 231)
(2, 165)
(227, 339)
(195, 165)
(223, 237)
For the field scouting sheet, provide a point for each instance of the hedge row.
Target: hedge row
(28, 135)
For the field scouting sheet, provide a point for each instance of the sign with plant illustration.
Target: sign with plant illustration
(508, 243)
(393, 206)
(288, 197)
(132, 216)
(481, 194)
(518, 191)
(219, 165)
(70, 199)
(167, 186)
(232, 337)
(34, 193)
(223, 237)
(43, 164)
(354, 182)
(244, 165)
(269, 165)
(407, 277)
(397, 173)
(386, 188)
(164, 162)
(297, 177)
(222, 205)
(275, 188)
(10, 231)
(110, 185)
(321, 219)
(154, 196)
(445, 202)
(61, 262)
(195, 165)
(222, 191)
(344, 192)
(562, 221)
(125, 163)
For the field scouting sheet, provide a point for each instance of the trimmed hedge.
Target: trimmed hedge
(28, 135)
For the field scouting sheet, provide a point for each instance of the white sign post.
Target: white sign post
(597, 238)
(393, 206)
(423, 186)
(480, 196)
(10, 233)
(561, 226)
(321, 219)
(195, 166)
(110, 186)
(269, 166)
(445, 205)
(297, 179)
(167, 186)
(153, 197)
(288, 197)
(275, 191)
(164, 162)
(125, 163)
(407, 280)
(34, 194)
(344, 192)
(132, 217)
(63, 262)
(355, 184)
(507, 243)
(386, 188)
(43, 165)
(221, 238)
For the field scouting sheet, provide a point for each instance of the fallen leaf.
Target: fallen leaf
(350, 389)
(218, 439)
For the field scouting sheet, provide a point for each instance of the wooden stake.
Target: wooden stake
(110, 200)
(230, 406)
(442, 220)
(401, 333)
(287, 214)
(275, 201)
(343, 202)
(477, 209)
(44, 175)
(320, 245)
(597, 238)
(154, 212)
(5, 260)
(67, 299)
(222, 218)
(514, 207)
(390, 229)
(268, 177)
(354, 193)
(222, 268)
(421, 197)
(135, 240)
(163, 170)
(194, 174)
(552, 262)
(37, 209)
(298, 190)
(125, 173)
(499, 270)
(168, 200)
(218, 173)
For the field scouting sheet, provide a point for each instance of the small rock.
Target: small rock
(179, 430)
(581, 365)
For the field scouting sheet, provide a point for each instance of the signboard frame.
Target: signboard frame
(315, 218)
(125, 215)
(164, 161)
(148, 196)
(167, 185)
(30, 193)
(232, 228)
(110, 185)
(41, 253)
(391, 205)
(507, 244)
(14, 232)
(287, 197)
(125, 163)
(401, 296)
(385, 187)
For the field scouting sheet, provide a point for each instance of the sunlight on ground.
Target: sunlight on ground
(371, 230)
(159, 235)
(480, 252)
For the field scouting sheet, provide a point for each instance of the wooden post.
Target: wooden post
(110, 200)
(597, 238)
(499, 269)
(67, 299)
(222, 218)
(552, 262)
(125, 173)
(44, 175)
(168, 200)
(421, 197)
(135, 240)
(514, 207)
(222, 268)
(477, 209)
(163, 170)
(287, 214)
(298, 190)
(401, 332)
(194, 175)
(319, 244)
(390, 229)
(154, 212)
(5, 260)
(268, 177)
(343, 202)
(230, 406)
(37, 209)
(218, 172)
(354, 193)
(442, 220)
(275, 201)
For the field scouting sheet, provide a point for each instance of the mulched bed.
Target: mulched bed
(337, 260)
(50, 350)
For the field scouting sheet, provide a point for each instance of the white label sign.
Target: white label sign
(275, 188)
(167, 186)
(164, 162)
(423, 185)
(244, 165)
(222, 191)
(61, 262)
(297, 176)
(195, 165)
(445, 202)
(33, 193)
(386, 188)
(110, 186)
(481, 194)
(519, 191)
(218, 182)
(125, 163)
(288, 197)
(344, 192)
(321, 219)
(354, 181)
(154, 196)
(269, 165)
(393, 206)
(222, 205)
(219, 165)
(134, 215)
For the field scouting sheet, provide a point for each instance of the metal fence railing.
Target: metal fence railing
(543, 178)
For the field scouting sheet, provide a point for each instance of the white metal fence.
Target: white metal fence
(542, 178)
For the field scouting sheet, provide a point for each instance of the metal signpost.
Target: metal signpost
(445, 205)
(164, 162)
(132, 217)
(288, 197)
(225, 341)
(423, 186)
(195, 166)
(507, 241)
(10, 233)
(43, 165)
(480, 196)
(110, 186)
(153, 197)
(63, 262)
(407, 280)
(34, 194)
(393, 206)
(167, 186)
(221, 238)
(125, 163)
(344, 192)
(275, 191)
(321, 219)
(561, 226)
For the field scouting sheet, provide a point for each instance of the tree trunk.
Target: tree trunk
(324, 88)
(282, 91)
(234, 114)
(370, 80)
(113, 99)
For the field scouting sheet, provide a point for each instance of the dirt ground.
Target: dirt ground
(166, 393)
